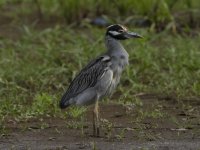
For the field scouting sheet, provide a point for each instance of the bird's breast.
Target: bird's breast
(118, 64)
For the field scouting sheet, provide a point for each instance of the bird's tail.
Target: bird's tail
(64, 102)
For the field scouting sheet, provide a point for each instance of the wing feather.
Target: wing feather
(87, 78)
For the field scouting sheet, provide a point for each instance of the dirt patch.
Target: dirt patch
(123, 127)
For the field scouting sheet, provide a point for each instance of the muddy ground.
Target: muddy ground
(122, 127)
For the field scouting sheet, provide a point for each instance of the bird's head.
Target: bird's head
(119, 32)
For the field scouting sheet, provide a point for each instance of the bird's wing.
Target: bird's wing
(87, 77)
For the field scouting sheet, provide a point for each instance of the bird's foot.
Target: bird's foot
(96, 132)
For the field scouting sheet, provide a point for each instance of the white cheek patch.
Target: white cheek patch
(124, 28)
(114, 33)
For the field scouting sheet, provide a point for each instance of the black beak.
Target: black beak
(132, 35)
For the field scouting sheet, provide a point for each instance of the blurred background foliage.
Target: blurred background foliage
(158, 14)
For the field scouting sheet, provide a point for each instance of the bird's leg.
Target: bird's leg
(97, 116)
(96, 119)
(94, 123)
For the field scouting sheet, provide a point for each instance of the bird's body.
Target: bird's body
(102, 75)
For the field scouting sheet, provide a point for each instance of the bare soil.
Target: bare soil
(121, 128)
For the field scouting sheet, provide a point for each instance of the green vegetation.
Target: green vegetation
(159, 13)
(36, 66)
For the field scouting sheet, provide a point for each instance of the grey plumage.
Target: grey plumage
(86, 82)
(101, 76)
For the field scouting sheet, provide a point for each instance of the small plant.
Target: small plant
(108, 126)
(74, 124)
(43, 104)
(77, 112)
(3, 130)
(155, 113)
(44, 125)
(121, 135)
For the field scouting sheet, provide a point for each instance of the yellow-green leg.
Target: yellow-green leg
(96, 119)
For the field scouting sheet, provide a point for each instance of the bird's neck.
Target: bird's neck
(114, 46)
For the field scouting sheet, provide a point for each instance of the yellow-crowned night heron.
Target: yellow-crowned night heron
(101, 76)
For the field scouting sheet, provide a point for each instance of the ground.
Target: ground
(121, 128)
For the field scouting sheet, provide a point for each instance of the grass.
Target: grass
(160, 13)
(37, 67)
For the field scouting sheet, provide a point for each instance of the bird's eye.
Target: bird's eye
(120, 31)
